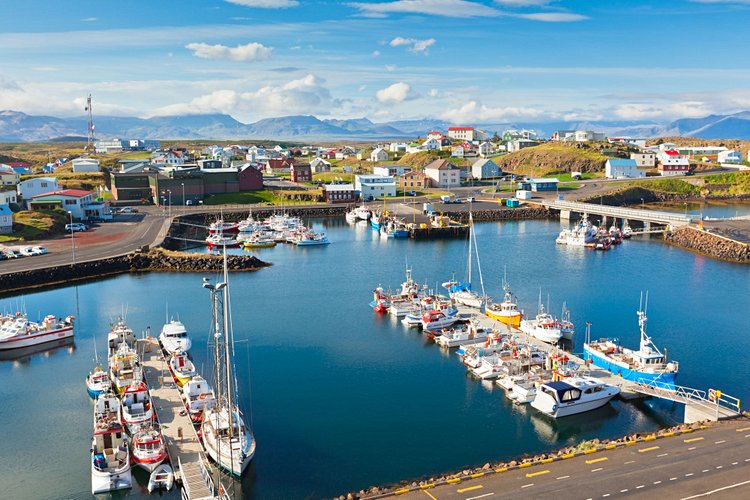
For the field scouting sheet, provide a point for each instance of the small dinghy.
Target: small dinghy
(162, 477)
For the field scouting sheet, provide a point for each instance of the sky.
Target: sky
(463, 61)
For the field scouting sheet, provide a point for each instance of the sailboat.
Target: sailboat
(227, 439)
(97, 381)
(462, 292)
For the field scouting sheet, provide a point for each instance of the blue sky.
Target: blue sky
(465, 61)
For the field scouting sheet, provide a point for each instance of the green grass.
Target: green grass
(253, 197)
(329, 177)
(567, 177)
(36, 224)
(736, 183)
(674, 186)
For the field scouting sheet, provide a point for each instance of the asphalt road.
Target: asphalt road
(712, 462)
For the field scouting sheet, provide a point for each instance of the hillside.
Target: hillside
(555, 158)
(743, 146)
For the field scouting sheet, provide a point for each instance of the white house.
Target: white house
(619, 168)
(379, 154)
(645, 159)
(434, 134)
(392, 170)
(458, 152)
(8, 196)
(85, 165)
(320, 165)
(6, 219)
(485, 169)
(397, 147)
(76, 201)
(431, 145)
(372, 187)
(485, 149)
(444, 174)
(671, 162)
(174, 158)
(8, 176)
(730, 156)
(461, 133)
(520, 144)
(31, 187)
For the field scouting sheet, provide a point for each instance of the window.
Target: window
(44, 184)
(70, 202)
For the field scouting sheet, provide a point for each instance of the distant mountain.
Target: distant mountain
(20, 127)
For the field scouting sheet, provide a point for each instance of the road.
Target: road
(714, 461)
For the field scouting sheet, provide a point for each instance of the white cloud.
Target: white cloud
(390, 67)
(252, 51)
(375, 53)
(398, 92)
(523, 3)
(89, 19)
(266, 4)
(414, 45)
(553, 17)
(641, 111)
(433, 93)
(474, 111)
(446, 8)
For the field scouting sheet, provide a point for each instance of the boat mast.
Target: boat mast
(471, 229)
(227, 352)
(476, 251)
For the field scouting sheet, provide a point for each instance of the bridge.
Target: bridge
(648, 217)
(699, 405)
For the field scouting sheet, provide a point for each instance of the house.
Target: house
(458, 152)
(8, 196)
(461, 133)
(639, 143)
(250, 178)
(371, 187)
(392, 170)
(485, 169)
(644, 160)
(173, 157)
(512, 135)
(8, 176)
(277, 165)
(340, 193)
(543, 184)
(620, 168)
(210, 164)
(431, 145)
(108, 146)
(520, 144)
(397, 147)
(300, 172)
(78, 202)
(671, 162)
(85, 165)
(485, 149)
(561, 135)
(413, 181)
(434, 134)
(31, 187)
(443, 174)
(730, 156)
(6, 219)
(379, 154)
(319, 165)
(702, 153)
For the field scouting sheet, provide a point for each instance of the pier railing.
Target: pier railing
(711, 401)
(619, 212)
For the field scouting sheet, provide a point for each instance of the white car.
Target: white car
(76, 226)
(27, 251)
(39, 250)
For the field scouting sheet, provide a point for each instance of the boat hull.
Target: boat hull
(558, 411)
(36, 338)
(514, 320)
(664, 380)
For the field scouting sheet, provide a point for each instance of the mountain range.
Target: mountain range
(20, 127)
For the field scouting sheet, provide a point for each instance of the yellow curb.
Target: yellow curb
(478, 474)
(650, 438)
(454, 481)
(427, 486)
(503, 469)
(687, 431)
(523, 466)
(610, 447)
(589, 452)
(668, 434)
(401, 492)
(569, 455)
(548, 460)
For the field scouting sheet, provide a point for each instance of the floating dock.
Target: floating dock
(183, 446)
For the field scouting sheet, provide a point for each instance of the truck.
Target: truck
(445, 199)
(427, 208)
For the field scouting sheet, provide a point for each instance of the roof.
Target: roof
(460, 128)
(621, 162)
(339, 187)
(441, 165)
(72, 193)
(5, 210)
(483, 161)
(544, 180)
(671, 152)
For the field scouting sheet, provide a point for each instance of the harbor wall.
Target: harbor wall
(709, 244)
(501, 214)
(154, 260)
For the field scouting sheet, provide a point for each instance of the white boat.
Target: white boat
(310, 238)
(182, 368)
(17, 331)
(573, 395)
(136, 406)
(492, 366)
(461, 293)
(198, 396)
(221, 240)
(543, 327)
(228, 440)
(107, 408)
(149, 450)
(120, 333)
(161, 477)
(437, 319)
(402, 307)
(471, 333)
(110, 457)
(351, 216)
(582, 234)
(362, 212)
(412, 319)
(174, 337)
(566, 326)
(97, 382)
(124, 368)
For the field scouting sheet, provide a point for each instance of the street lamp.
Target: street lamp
(72, 238)
(169, 210)
(183, 194)
(685, 208)
(643, 206)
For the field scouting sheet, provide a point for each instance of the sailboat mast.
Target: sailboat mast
(471, 230)
(476, 251)
(227, 346)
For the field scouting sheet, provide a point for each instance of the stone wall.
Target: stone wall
(500, 214)
(152, 261)
(709, 244)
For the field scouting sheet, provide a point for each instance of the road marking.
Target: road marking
(692, 440)
(624, 491)
(692, 448)
(735, 463)
(651, 448)
(480, 496)
(720, 442)
(719, 466)
(743, 429)
(716, 490)
(527, 485)
(595, 460)
(704, 470)
(747, 460)
(470, 488)
(563, 477)
(747, 435)
(689, 474)
(657, 482)
(533, 474)
(662, 455)
(597, 470)
(639, 487)
(429, 494)
(605, 495)
(672, 478)
(630, 462)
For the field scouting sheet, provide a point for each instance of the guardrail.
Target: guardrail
(627, 213)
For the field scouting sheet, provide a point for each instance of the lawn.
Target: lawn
(252, 197)
(329, 177)
(567, 177)
(33, 225)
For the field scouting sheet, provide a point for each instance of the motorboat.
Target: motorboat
(543, 327)
(120, 333)
(182, 368)
(136, 406)
(573, 395)
(161, 478)
(124, 368)
(412, 319)
(258, 240)
(97, 382)
(174, 337)
(581, 235)
(149, 450)
(107, 408)
(437, 319)
(110, 457)
(221, 240)
(18, 332)
(648, 365)
(198, 396)
(362, 212)
(221, 226)
(627, 232)
(506, 311)
(311, 238)
(469, 333)
(492, 366)
(380, 302)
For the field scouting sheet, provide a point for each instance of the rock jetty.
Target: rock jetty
(710, 244)
(526, 212)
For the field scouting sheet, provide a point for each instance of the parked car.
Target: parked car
(27, 252)
(76, 226)
(471, 199)
(3, 256)
(128, 210)
(13, 254)
(39, 250)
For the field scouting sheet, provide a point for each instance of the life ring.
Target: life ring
(712, 395)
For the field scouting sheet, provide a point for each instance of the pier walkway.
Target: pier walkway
(646, 216)
(185, 451)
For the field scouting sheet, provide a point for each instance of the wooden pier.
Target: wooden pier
(185, 450)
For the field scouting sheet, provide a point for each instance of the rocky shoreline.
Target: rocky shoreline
(526, 212)
(709, 244)
(155, 260)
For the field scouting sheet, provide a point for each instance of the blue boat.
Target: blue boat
(647, 365)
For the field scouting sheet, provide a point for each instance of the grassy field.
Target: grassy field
(253, 197)
(674, 186)
(568, 177)
(33, 225)
(329, 177)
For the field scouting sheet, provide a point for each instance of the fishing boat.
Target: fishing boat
(18, 332)
(543, 327)
(647, 365)
(506, 311)
(161, 477)
(227, 439)
(258, 240)
(380, 302)
(149, 450)
(462, 333)
(627, 232)
(220, 226)
(311, 238)
(581, 235)
(110, 457)
(124, 368)
(97, 382)
(182, 368)
(573, 395)
(351, 216)
(198, 396)
(362, 212)
(136, 406)
(107, 408)
(435, 319)
(566, 326)
(221, 240)
(492, 366)
(412, 319)
(174, 337)
(120, 333)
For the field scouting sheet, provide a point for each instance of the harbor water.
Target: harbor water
(341, 398)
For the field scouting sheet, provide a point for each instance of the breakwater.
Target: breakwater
(501, 214)
(155, 260)
(710, 244)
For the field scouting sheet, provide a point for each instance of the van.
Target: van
(76, 226)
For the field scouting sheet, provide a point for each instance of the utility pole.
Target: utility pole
(91, 127)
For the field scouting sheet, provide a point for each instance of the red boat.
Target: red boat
(380, 304)
(218, 240)
(223, 227)
(148, 448)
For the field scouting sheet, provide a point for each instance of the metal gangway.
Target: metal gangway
(699, 405)
(656, 216)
